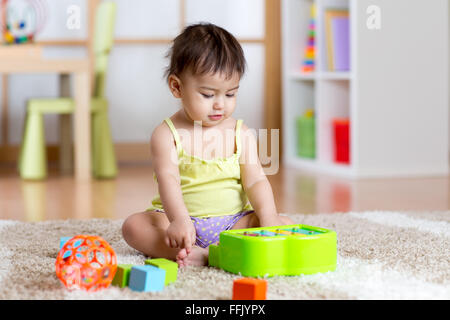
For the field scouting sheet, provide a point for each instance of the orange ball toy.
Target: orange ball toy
(86, 262)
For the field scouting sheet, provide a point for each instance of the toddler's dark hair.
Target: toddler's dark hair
(205, 48)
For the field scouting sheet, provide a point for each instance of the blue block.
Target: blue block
(147, 278)
(62, 241)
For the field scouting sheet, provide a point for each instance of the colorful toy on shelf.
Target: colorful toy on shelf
(153, 276)
(310, 50)
(269, 251)
(249, 289)
(309, 113)
(86, 262)
(21, 20)
(341, 135)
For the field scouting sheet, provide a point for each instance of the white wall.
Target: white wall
(139, 98)
(402, 92)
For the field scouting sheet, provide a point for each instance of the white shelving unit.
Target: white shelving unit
(395, 94)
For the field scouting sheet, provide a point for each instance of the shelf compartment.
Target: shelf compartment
(333, 102)
(322, 52)
(299, 97)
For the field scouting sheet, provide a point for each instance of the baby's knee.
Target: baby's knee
(129, 227)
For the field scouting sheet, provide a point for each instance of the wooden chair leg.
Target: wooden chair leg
(65, 131)
(65, 144)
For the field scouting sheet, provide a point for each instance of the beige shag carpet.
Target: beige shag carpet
(381, 255)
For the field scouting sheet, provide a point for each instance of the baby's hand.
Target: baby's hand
(181, 234)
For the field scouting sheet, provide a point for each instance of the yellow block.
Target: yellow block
(309, 113)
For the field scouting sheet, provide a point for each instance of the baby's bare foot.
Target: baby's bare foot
(196, 257)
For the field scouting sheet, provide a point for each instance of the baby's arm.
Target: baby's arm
(254, 181)
(181, 232)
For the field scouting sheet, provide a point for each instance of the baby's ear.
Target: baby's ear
(174, 85)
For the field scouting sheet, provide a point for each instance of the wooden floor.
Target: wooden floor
(59, 197)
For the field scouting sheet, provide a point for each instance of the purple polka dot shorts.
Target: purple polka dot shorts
(208, 229)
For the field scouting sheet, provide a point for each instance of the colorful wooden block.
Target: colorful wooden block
(171, 268)
(122, 276)
(147, 278)
(249, 289)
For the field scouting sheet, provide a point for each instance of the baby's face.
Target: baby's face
(209, 98)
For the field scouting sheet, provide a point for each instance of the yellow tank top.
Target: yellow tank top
(209, 187)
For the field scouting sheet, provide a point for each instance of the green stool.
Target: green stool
(32, 160)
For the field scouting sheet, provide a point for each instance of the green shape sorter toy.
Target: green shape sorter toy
(269, 251)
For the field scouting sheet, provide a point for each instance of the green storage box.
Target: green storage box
(306, 137)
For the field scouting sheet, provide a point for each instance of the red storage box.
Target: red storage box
(341, 131)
